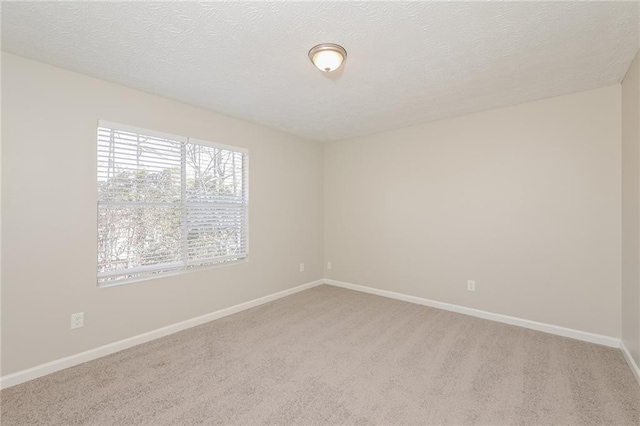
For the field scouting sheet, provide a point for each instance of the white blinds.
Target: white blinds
(167, 203)
(216, 204)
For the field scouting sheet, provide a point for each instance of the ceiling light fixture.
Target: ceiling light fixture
(327, 57)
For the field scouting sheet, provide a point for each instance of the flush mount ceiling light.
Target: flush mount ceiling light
(327, 57)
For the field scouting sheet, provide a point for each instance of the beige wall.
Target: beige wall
(525, 200)
(49, 215)
(631, 210)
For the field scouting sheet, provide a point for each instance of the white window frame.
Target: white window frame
(183, 266)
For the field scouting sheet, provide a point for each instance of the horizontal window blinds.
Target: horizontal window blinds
(167, 203)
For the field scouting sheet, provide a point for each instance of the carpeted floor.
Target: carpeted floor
(335, 356)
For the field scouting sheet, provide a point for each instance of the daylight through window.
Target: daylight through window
(167, 203)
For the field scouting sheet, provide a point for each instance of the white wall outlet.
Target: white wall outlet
(302, 267)
(328, 265)
(77, 320)
(471, 285)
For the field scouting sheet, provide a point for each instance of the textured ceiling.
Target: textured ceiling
(408, 63)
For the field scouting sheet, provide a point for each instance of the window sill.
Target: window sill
(172, 274)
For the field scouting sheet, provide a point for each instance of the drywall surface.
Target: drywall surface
(631, 210)
(525, 200)
(49, 215)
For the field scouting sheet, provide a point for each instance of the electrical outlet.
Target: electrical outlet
(302, 267)
(328, 265)
(77, 320)
(471, 285)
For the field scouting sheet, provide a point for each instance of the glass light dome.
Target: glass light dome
(327, 57)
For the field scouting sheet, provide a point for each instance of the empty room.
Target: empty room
(320, 213)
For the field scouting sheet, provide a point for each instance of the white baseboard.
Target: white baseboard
(547, 328)
(632, 364)
(73, 360)
(80, 358)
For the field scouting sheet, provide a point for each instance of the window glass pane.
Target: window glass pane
(134, 236)
(214, 174)
(133, 167)
(215, 232)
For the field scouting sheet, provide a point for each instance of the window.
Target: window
(167, 203)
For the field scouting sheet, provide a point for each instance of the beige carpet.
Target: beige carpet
(334, 356)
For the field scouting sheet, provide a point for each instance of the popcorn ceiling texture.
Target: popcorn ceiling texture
(408, 63)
